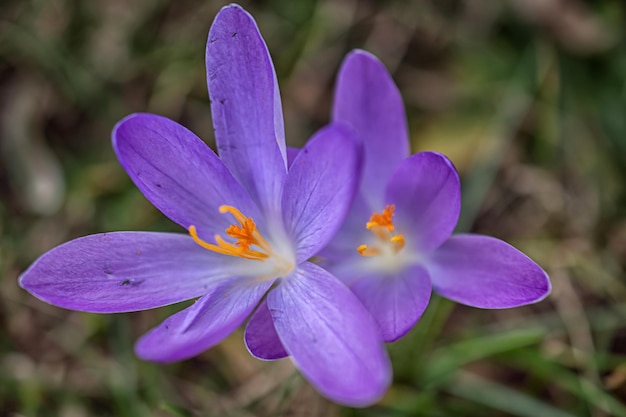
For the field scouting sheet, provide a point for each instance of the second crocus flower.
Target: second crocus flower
(397, 244)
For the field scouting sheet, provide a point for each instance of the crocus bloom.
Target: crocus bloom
(396, 244)
(252, 226)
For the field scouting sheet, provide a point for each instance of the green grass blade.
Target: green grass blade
(499, 397)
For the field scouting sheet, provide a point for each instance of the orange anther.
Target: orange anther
(245, 235)
(385, 219)
(365, 251)
(381, 225)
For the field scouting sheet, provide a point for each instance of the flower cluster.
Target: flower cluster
(379, 220)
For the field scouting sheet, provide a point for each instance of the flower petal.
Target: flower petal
(246, 108)
(261, 338)
(204, 324)
(485, 272)
(179, 173)
(320, 187)
(351, 234)
(426, 191)
(122, 271)
(396, 302)
(291, 155)
(330, 336)
(367, 99)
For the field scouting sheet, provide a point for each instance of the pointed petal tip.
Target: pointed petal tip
(133, 116)
(25, 282)
(28, 281)
(361, 56)
(485, 272)
(232, 10)
(534, 296)
(230, 17)
(447, 160)
(133, 120)
(433, 155)
(118, 126)
(542, 290)
(22, 280)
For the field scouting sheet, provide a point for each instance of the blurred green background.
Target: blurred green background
(527, 97)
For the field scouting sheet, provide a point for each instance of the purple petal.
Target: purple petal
(123, 271)
(204, 324)
(261, 337)
(245, 103)
(178, 173)
(367, 99)
(320, 187)
(291, 155)
(330, 336)
(396, 302)
(352, 233)
(485, 272)
(426, 191)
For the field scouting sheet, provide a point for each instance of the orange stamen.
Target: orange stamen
(385, 219)
(398, 243)
(365, 251)
(245, 235)
(381, 225)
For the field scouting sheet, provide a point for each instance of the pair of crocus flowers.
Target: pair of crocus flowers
(379, 220)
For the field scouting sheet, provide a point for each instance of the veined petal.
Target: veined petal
(246, 108)
(320, 187)
(426, 191)
(122, 271)
(261, 338)
(179, 173)
(396, 302)
(367, 99)
(330, 336)
(204, 324)
(485, 272)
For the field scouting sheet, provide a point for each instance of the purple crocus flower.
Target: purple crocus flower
(395, 246)
(397, 243)
(252, 226)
